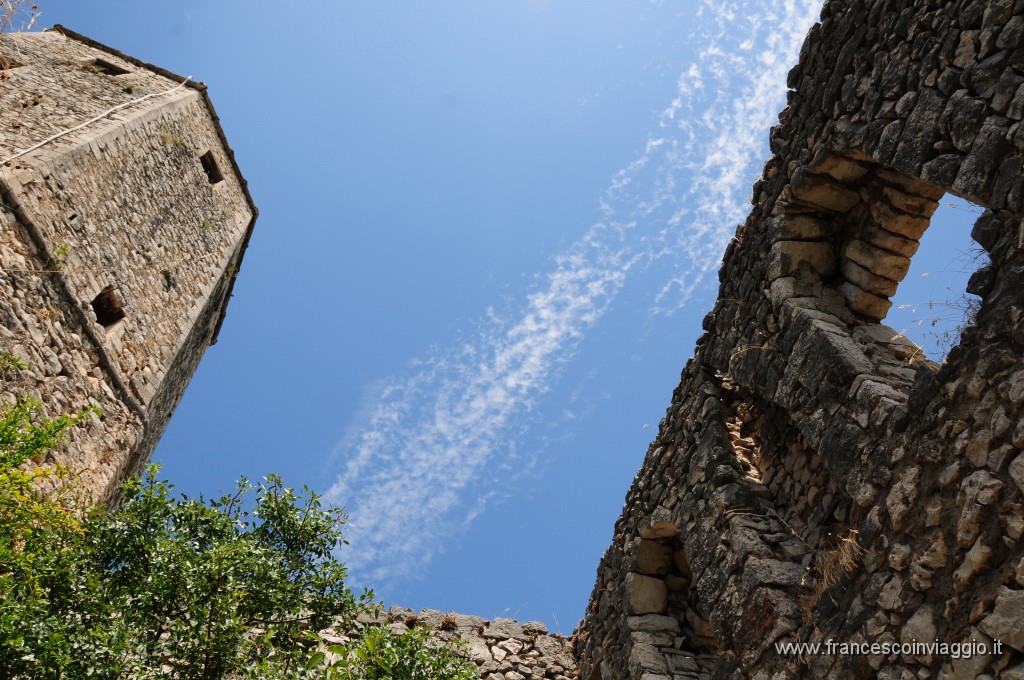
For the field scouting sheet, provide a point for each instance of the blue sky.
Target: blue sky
(488, 235)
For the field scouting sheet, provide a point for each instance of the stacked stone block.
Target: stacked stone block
(503, 649)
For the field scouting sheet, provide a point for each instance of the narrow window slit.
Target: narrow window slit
(210, 167)
(107, 68)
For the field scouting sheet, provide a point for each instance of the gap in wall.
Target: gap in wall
(931, 305)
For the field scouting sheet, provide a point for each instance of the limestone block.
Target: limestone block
(974, 561)
(888, 596)
(681, 562)
(863, 302)
(891, 219)
(823, 192)
(942, 169)
(841, 168)
(1017, 472)
(503, 629)
(896, 243)
(979, 490)
(511, 646)
(937, 555)
(653, 558)
(786, 258)
(879, 262)
(903, 495)
(653, 623)
(479, 651)
(867, 280)
(658, 525)
(799, 228)
(759, 572)
(919, 628)
(1006, 622)
(908, 184)
(1012, 34)
(782, 289)
(535, 627)
(909, 203)
(969, 666)
(645, 659)
(547, 646)
(645, 594)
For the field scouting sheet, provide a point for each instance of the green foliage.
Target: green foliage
(177, 587)
(28, 517)
(22, 440)
(9, 361)
(32, 524)
(415, 654)
(56, 264)
(187, 588)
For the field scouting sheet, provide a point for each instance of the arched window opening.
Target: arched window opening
(931, 306)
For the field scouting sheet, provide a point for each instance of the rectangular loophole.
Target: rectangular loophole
(210, 167)
(107, 68)
(108, 307)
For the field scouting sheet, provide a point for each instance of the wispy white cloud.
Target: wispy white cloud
(412, 466)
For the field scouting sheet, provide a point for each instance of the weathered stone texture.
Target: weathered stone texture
(121, 240)
(816, 478)
(503, 649)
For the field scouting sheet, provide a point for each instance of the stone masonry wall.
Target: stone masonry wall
(121, 240)
(503, 649)
(816, 478)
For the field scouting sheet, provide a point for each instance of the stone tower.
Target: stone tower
(122, 227)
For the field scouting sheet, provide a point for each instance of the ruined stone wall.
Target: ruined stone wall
(503, 649)
(121, 240)
(816, 478)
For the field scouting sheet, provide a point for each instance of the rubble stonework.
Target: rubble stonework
(503, 649)
(119, 241)
(816, 478)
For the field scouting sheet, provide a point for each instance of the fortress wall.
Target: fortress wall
(503, 649)
(816, 477)
(134, 226)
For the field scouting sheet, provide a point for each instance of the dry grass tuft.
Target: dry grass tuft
(17, 15)
(831, 566)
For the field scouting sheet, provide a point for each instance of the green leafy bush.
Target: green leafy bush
(170, 586)
(415, 654)
(185, 588)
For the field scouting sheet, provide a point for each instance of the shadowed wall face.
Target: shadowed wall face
(122, 234)
(817, 477)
